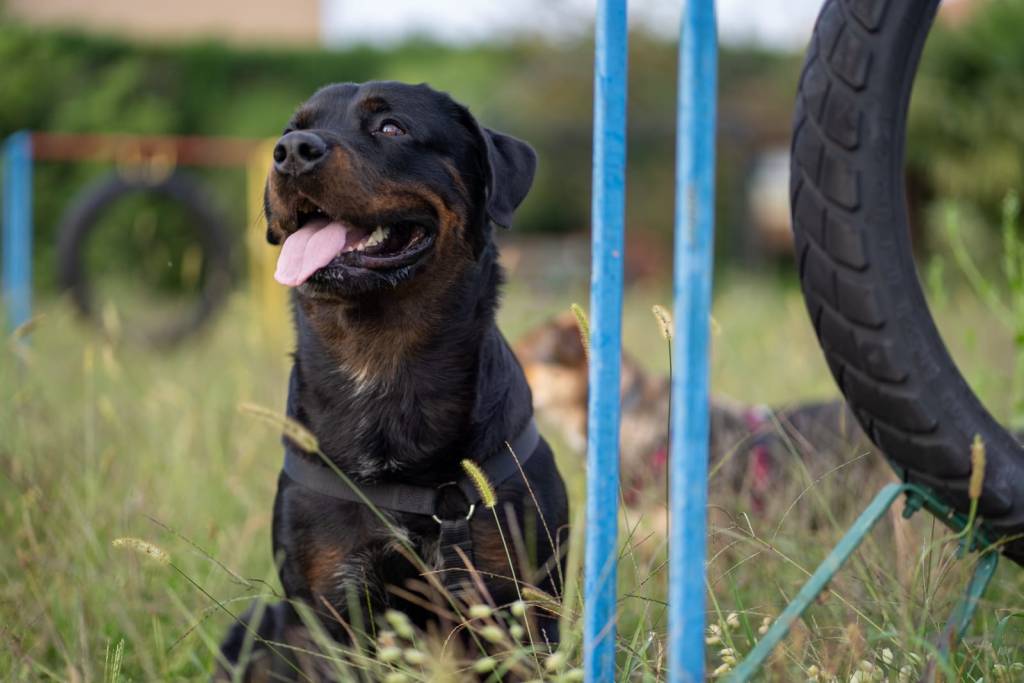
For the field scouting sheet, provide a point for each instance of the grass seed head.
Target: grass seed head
(389, 654)
(661, 314)
(400, 622)
(492, 633)
(977, 467)
(26, 328)
(584, 328)
(292, 430)
(483, 487)
(479, 611)
(721, 671)
(146, 548)
(485, 665)
(555, 661)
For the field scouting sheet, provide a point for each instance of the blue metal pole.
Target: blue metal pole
(607, 219)
(17, 228)
(694, 244)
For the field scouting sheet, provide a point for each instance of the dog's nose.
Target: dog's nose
(299, 152)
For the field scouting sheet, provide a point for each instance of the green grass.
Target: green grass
(101, 442)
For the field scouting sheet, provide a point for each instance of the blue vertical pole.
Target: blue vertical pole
(607, 226)
(694, 243)
(17, 228)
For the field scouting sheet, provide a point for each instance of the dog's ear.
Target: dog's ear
(511, 164)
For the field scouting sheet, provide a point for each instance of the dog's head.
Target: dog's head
(374, 185)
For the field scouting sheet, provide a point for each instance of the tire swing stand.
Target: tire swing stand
(917, 497)
(861, 289)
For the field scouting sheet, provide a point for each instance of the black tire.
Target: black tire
(208, 227)
(859, 279)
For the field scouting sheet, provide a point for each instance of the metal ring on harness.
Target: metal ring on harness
(469, 515)
(472, 506)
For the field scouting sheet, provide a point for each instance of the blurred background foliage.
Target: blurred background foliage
(966, 129)
(965, 143)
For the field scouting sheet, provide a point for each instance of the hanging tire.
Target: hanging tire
(852, 241)
(208, 230)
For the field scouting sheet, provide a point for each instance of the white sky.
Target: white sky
(775, 23)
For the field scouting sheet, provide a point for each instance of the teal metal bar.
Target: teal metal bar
(818, 581)
(608, 219)
(17, 229)
(917, 498)
(964, 611)
(694, 245)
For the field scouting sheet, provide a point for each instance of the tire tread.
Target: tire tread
(859, 285)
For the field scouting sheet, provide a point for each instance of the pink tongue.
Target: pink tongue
(309, 249)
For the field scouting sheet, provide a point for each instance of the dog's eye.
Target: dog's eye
(391, 129)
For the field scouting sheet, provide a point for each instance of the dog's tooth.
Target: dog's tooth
(378, 236)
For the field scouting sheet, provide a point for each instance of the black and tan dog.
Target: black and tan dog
(383, 196)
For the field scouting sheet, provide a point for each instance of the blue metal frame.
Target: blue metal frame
(694, 244)
(17, 229)
(608, 219)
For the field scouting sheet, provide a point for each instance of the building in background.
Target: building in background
(296, 22)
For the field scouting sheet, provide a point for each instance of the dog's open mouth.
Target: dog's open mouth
(323, 243)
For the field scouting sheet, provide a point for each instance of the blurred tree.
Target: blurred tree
(966, 139)
(532, 88)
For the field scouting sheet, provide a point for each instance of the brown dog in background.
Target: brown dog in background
(749, 444)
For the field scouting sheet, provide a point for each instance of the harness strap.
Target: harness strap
(417, 500)
(455, 533)
(422, 500)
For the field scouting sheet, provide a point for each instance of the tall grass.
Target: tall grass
(135, 504)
